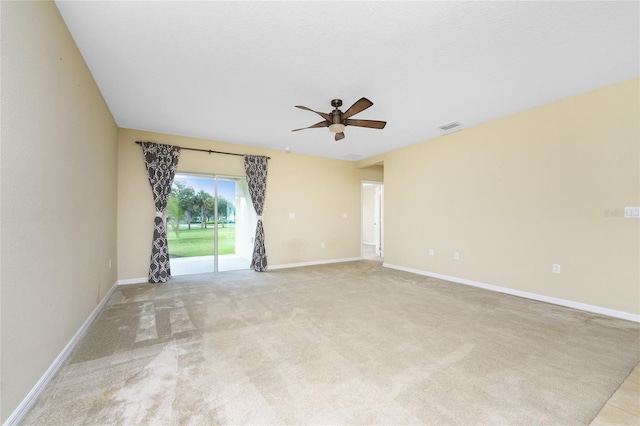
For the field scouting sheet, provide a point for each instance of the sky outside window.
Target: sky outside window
(226, 188)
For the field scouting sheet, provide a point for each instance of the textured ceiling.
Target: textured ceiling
(233, 71)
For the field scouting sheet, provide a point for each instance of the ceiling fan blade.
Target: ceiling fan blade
(374, 124)
(359, 106)
(321, 114)
(339, 136)
(323, 123)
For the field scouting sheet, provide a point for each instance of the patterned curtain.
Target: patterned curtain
(161, 161)
(256, 168)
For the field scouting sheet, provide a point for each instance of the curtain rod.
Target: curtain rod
(207, 150)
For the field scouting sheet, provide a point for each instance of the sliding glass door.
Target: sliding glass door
(210, 224)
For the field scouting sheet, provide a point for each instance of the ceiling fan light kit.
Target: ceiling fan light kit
(337, 120)
(337, 128)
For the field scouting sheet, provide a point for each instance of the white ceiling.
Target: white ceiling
(233, 71)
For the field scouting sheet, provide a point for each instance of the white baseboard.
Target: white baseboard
(317, 262)
(130, 281)
(145, 280)
(23, 408)
(555, 301)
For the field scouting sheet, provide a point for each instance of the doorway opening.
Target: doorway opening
(210, 224)
(372, 195)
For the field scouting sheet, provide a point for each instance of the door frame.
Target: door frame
(215, 177)
(380, 213)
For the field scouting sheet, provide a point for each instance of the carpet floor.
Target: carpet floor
(348, 343)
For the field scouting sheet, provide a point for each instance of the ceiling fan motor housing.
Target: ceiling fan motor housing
(336, 116)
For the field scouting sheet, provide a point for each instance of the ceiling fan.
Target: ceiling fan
(337, 120)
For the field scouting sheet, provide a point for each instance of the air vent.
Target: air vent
(353, 157)
(450, 126)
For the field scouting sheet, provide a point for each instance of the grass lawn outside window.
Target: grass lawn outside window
(199, 242)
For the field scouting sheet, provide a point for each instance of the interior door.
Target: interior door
(372, 219)
(378, 220)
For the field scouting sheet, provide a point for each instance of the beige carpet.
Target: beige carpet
(350, 343)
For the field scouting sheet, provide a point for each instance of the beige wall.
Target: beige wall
(317, 190)
(58, 194)
(512, 197)
(374, 173)
(516, 195)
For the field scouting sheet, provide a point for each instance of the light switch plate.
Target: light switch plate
(632, 212)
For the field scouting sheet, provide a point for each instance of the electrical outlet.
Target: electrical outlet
(109, 263)
(456, 255)
(322, 244)
(345, 215)
(431, 252)
(292, 215)
(556, 268)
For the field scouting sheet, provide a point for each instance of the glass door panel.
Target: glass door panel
(235, 225)
(208, 220)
